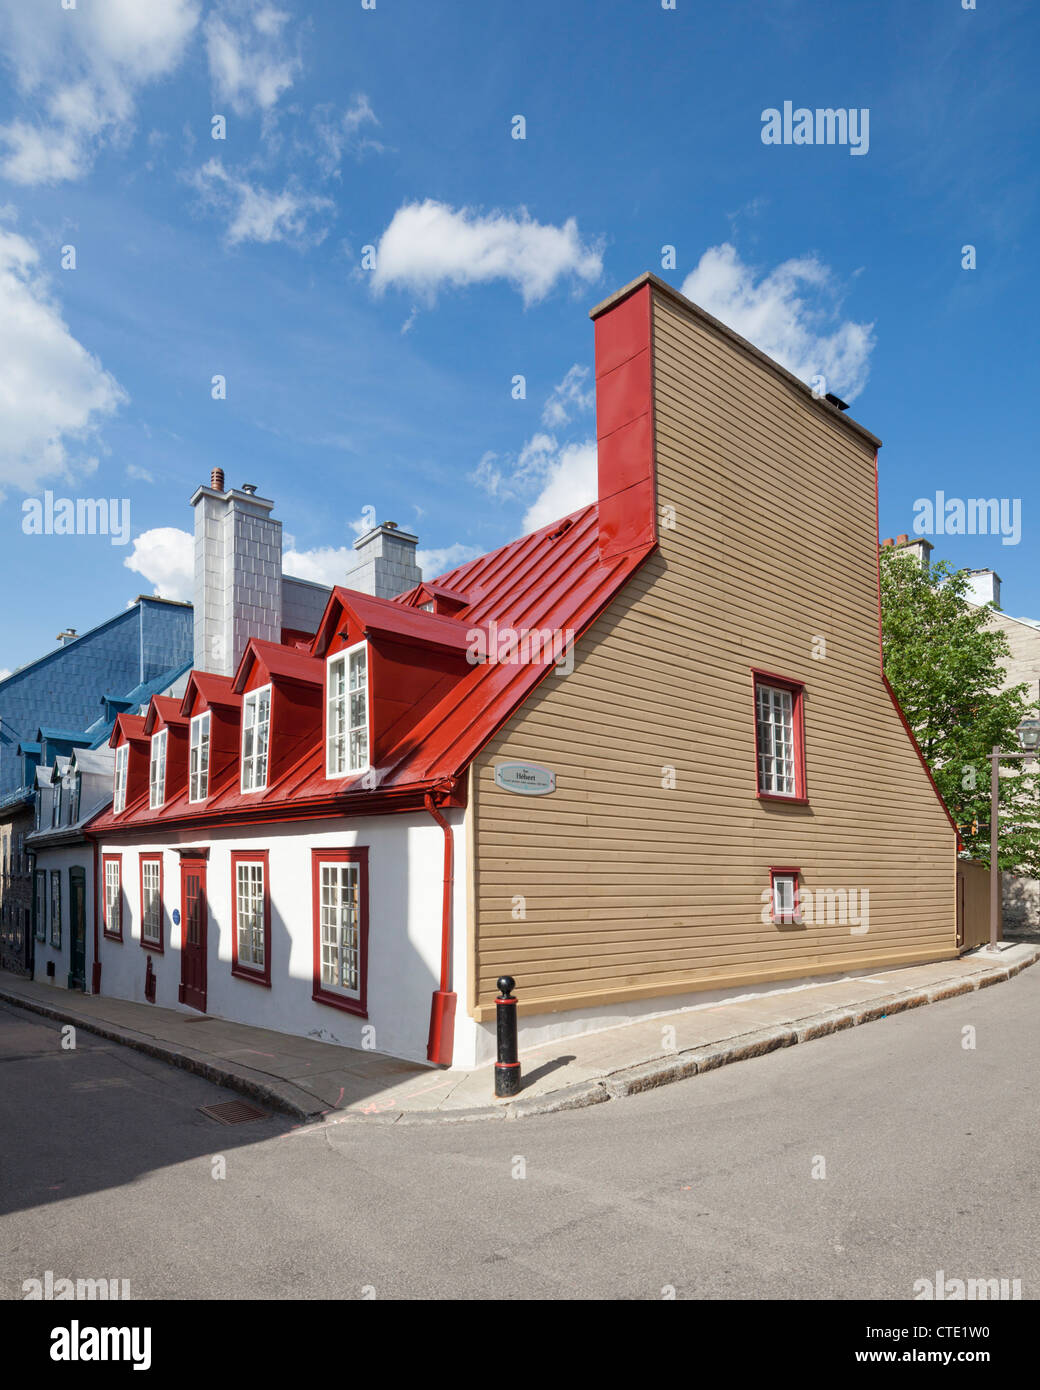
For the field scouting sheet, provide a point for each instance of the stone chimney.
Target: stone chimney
(919, 548)
(238, 573)
(385, 565)
(983, 587)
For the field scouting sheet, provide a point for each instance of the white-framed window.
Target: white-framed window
(77, 782)
(151, 901)
(786, 907)
(249, 913)
(55, 803)
(776, 751)
(157, 771)
(256, 730)
(113, 898)
(340, 927)
(346, 729)
(198, 758)
(119, 790)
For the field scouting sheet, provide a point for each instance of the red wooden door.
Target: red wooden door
(193, 934)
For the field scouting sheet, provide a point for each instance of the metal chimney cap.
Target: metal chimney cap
(390, 525)
(250, 488)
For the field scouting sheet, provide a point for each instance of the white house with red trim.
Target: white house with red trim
(323, 835)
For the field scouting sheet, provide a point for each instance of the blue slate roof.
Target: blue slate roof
(141, 650)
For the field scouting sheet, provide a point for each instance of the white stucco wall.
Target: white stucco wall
(406, 868)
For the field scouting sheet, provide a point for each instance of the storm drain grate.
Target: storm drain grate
(233, 1112)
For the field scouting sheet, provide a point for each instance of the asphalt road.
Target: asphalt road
(707, 1187)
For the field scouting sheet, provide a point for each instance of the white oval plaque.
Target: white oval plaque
(526, 778)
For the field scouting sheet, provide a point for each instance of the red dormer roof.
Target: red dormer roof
(163, 711)
(212, 689)
(445, 601)
(125, 728)
(274, 660)
(389, 618)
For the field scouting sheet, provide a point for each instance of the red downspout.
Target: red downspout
(95, 969)
(441, 1043)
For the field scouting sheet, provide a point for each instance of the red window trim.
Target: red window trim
(250, 972)
(107, 859)
(781, 871)
(797, 690)
(159, 947)
(320, 994)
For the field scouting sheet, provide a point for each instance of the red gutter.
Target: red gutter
(441, 1043)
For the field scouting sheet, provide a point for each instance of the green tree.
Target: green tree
(942, 660)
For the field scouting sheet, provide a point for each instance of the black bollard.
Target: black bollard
(507, 1068)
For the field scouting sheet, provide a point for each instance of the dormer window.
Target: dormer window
(346, 728)
(119, 789)
(56, 805)
(198, 758)
(157, 771)
(256, 728)
(74, 807)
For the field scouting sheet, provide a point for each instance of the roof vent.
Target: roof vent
(561, 530)
(250, 488)
(66, 636)
(390, 525)
(216, 480)
(836, 400)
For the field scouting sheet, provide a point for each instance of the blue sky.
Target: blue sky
(391, 388)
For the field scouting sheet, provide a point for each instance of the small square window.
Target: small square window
(786, 907)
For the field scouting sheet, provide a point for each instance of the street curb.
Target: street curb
(228, 1074)
(629, 1081)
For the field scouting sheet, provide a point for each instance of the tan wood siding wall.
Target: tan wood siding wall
(631, 890)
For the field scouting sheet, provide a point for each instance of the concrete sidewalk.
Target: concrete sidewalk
(317, 1081)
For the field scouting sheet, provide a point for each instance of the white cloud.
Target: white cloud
(329, 564)
(250, 63)
(571, 482)
(134, 470)
(429, 245)
(569, 398)
(257, 214)
(339, 132)
(53, 392)
(559, 478)
(4, 673)
(326, 564)
(791, 313)
(449, 557)
(165, 556)
(81, 71)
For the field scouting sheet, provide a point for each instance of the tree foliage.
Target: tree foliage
(943, 660)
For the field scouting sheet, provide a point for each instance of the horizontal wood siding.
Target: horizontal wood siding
(616, 887)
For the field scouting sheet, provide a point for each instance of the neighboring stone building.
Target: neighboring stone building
(1021, 895)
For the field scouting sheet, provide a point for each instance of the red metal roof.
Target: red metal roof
(553, 578)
